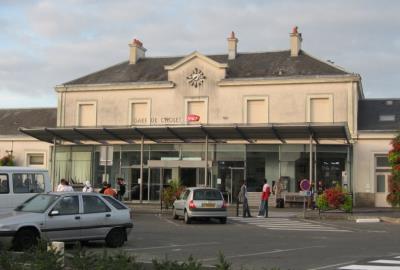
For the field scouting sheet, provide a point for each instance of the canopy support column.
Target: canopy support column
(141, 169)
(311, 161)
(206, 165)
(53, 168)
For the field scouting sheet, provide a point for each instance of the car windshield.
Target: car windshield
(207, 194)
(38, 203)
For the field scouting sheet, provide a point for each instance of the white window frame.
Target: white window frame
(142, 100)
(251, 98)
(78, 104)
(190, 99)
(27, 154)
(374, 167)
(319, 96)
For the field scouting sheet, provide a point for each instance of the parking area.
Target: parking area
(284, 242)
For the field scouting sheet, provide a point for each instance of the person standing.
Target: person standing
(122, 188)
(88, 187)
(266, 191)
(243, 197)
(110, 191)
(278, 189)
(62, 185)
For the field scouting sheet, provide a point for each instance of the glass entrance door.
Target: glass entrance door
(135, 187)
(381, 186)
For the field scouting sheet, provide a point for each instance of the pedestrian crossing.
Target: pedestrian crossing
(287, 224)
(387, 264)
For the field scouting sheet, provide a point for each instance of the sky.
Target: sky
(46, 43)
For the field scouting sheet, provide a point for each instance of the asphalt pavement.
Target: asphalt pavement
(284, 240)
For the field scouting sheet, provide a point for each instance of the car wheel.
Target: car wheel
(25, 239)
(223, 220)
(188, 220)
(115, 238)
(174, 215)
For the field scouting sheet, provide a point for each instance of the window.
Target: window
(197, 107)
(93, 204)
(114, 203)
(86, 114)
(68, 205)
(320, 109)
(207, 195)
(35, 159)
(28, 182)
(256, 110)
(38, 203)
(380, 183)
(4, 185)
(387, 118)
(382, 162)
(139, 112)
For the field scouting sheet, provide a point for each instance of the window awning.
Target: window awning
(193, 133)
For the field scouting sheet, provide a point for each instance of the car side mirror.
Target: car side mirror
(54, 213)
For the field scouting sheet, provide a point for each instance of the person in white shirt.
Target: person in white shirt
(87, 187)
(64, 186)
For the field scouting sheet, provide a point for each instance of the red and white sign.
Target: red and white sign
(192, 118)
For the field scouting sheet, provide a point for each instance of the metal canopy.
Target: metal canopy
(194, 133)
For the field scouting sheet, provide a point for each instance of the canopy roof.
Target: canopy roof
(193, 133)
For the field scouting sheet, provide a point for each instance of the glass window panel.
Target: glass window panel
(380, 183)
(93, 204)
(4, 185)
(382, 161)
(68, 205)
(28, 183)
(36, 159)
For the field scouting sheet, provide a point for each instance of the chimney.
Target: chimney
(232, 46)
(295, 42)
(137, 51)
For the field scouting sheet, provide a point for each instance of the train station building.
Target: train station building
(214, 120)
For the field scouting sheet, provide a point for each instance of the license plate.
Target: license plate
(208, 205)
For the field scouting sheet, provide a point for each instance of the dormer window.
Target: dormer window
(387, 118)
(389, 102)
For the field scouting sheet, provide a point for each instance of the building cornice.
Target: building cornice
(114, 86)
(289, 80)
(376, 134)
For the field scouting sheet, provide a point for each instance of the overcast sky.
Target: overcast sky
(46, 43)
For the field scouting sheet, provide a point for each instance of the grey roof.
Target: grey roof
(246, 65)
(12, 119)
(370, 111)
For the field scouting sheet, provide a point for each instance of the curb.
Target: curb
(391, 220)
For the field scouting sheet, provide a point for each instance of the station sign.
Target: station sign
(192, 118)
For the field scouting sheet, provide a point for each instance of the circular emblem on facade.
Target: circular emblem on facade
(196, 78)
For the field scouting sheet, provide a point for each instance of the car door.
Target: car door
(180, 203)
(96, 218)
(63, 221)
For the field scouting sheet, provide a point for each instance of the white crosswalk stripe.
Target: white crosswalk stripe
(384, 264)
(286, 224)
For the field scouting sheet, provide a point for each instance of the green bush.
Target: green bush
(348, 204)
(190, 264)
(322, 202)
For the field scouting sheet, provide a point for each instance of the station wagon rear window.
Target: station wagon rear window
(114, 203)
(207, 195)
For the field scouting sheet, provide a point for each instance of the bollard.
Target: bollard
(59, 248)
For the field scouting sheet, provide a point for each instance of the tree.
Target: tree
(394, 181)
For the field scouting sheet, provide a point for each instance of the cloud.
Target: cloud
(45, 43)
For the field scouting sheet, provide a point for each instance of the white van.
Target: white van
(17, 184)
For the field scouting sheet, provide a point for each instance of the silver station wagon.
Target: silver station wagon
(72, 216)
(200, 203)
